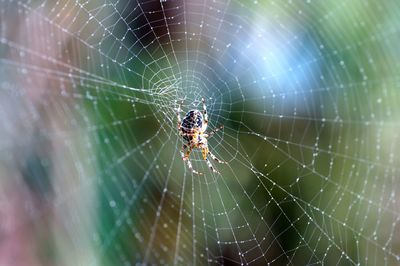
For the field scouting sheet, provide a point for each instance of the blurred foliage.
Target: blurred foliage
(302, 178)
(308, 95)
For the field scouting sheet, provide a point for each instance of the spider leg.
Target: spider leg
(185, 157)
(184, 146)
(215, 158)
(215, 130)
(178, 115)
(210, 166)
(204, 110)
(191, 168)
(205, 115)
(205, 151)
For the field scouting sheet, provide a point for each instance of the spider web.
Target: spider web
(307, 93)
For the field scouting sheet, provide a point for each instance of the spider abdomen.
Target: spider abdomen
(193, 121)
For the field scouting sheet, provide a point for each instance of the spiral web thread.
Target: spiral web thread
(305, 95)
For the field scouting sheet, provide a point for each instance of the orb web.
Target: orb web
(307, 93)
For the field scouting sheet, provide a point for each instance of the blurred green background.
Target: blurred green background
(307, 91)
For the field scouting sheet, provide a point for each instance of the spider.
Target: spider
(193, 130)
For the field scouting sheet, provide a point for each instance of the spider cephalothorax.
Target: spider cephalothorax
(193, 130)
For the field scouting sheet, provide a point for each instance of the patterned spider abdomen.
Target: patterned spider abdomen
(193, 120)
